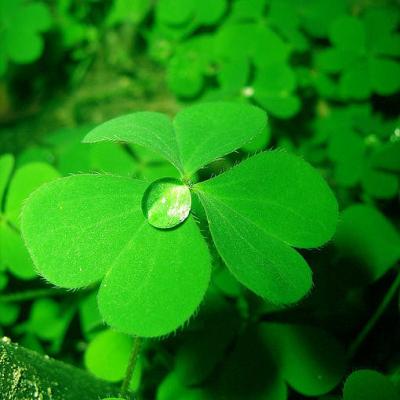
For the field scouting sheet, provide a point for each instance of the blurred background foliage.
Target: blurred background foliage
(328, 74)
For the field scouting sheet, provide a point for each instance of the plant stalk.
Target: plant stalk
(131, 366)
(375, 316)
(31, 294)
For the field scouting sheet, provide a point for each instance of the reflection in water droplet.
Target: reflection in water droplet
(166, 203)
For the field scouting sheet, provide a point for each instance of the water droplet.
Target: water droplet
(248, 91)
(166, 203)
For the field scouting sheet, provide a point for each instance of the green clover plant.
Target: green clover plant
(142, 240)
(307, 358)
(21, 25)
(361, 145)
(363, 53)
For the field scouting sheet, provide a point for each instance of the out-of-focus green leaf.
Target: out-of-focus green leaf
(107, 355)
(25, 180)
(367, 384)
(369, 240)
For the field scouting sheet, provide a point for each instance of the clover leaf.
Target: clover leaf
(14, 189)
(189, 66)
(107, 356)
(127, 10)
(187, 15)
(307, 358)
(21, 23)
(366, 384)
(360, 146)
(365, 62)
(242, 47)
(367, 238)
(98, 227)
(54, 316)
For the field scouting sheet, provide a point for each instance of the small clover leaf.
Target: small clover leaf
(187, 15)
(46, 312)
(283, 16)
(9, 313)
(107, 355)
(312, 361)
(273, 89)
(366, 237)
(368, 384)
(99, 226)
(21, 23)
(241, 47)
(361, 149)
(127, 10)
(189, 66)
(307, 358)
(365, 63)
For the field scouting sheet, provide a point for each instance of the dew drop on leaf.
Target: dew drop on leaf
(166, 203)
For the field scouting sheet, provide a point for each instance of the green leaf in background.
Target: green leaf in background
(284, 18)
(368, 240)
(204, 347)
(361, 52)
(234, 74)
(133, 11)
(312, 361)
(6, 166)
(367, 384)
(22, 22)
(25, 180)
(222, 127)
(261, 208)
(172, 388)
(189, 66)
(107, 355)
(247, 9)
(318, 15)
(260, 378)
(71, 156)
(175, 12)
(208, 12)
(48, 313)
(9, 313)
(346, 27)
(384, 75)
(13, 253)
(273, 89)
